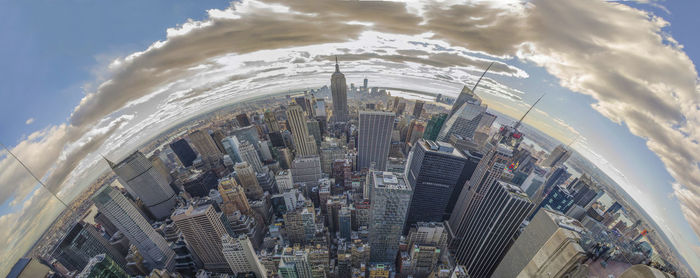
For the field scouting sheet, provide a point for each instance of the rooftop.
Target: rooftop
(440, 147)
(389, 180)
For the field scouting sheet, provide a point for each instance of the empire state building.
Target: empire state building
(340, 95)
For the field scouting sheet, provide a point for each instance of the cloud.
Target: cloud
(29, 121)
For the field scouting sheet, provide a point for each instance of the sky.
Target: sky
(88, 78)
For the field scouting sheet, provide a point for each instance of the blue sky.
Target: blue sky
(58, 50)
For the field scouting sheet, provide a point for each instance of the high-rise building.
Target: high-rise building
(432, 129)
(339, 95)
(233, 196)
(304, 143)
(586, 190)
(202, 228)
(217, 136)
(137, 174)
(559, 199)
(205, 145)
(374, 139)
(489, 233)
(231, 145)
(250, 155)
(390, 198)
(242, 120)
(548, 247)
(249, 180)
(486, 173)
(82, 242)
(615, 207)
(466, 121)
(102, 266)
(330, 151)
(241, 256)
(294, 263)
(271, 122)
(433, 170)
(184, 152)
(306, 170)
(345, 222)
(466, 95)
(418, 108)
(428, 233)
(558, 156)
(121, 212)
(284, 180)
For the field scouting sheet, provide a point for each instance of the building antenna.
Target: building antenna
(573, 141)
(528, 111)
(34, 176)
(482, 76)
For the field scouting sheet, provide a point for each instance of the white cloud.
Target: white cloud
(29, 121)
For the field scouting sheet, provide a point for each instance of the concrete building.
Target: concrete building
(205, 145)
(184, 152)
(121, 212)
(390, 197)
(233, 196)
(284, 180)
(488, 234)
(304, 143)
(374, 139)
(306, 170)
(250, 155)
(82, 242)
(241, 257)
(202, 228)
(249, 180)
(557, 157)
(466, 120)
(102, 266)
(143, 181)
(548, 247)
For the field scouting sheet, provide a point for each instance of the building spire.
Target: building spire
(482, 76)
(111, 164)
(337, 68)
(528, 111)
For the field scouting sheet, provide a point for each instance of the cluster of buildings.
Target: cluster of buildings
(305, 189)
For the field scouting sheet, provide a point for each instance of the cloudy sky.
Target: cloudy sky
(82, 79)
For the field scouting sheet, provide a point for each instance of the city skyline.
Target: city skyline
(652, 160)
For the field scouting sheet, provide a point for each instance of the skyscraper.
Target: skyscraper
(240, 255)
(488, 234)
(548, 247)
(233, 196)
(586, 190)
(434, 125)
(418, 108)
(137, 174)
(466, 120)
(305, 144)
(466, 95)
(306, 170)
(121, 212)
(433, 170)
(558, 156)
(390, 198)
(102, 266)
(339, 94)
(82, 242)
(486, 173)
(202, 228)
(231, 145)
(250, 155)
(374, 139)
(559, 199)
(242, 120)
(184, 152)
(205, 146)
(271, 122)
(248, 179)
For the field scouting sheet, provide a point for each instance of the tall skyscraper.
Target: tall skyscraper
(339, 94)
(374, 139)
(248, 179)
(137, 174)
(82, 242)
(559, 199)
(418, 108)
(488, 235)
(184, 152)
(241, 256)
(433, 170)
(232, 145)
(305, 144)
(233, 196)
(102, 266)
(271, 122)
(390, 198)
(205, 145)
(466, 95)
(250, 155)
(548, 247)
(434, 125)
(202, 228)
(242, 120)
(488, 171)
(217, 136)
(586, 190)
(466, 120)
(558, 156)
(121, 212)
